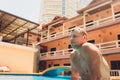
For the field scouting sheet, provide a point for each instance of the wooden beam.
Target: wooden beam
(7, 25)
(14, 30)
(21, 33)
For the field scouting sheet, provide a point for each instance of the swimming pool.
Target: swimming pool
(31, 77)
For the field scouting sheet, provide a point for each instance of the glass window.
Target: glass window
(67, 64)
(119, 38)
(56, 64)
(53, 49)
(69, 46)
(91, 41)
(49, 65)
(115, 65)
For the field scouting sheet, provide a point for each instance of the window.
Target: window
(49, 65)
(38, 39)
(56, 64)
(119, 38)
(52, 49)
(89, 23)
(115, 65)
(67, 64)
(69, 46)
(53, 34)
(118, 16)
(91, 41)
(72, 27)
(43, 49)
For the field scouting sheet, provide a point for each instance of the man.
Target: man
(86, 60)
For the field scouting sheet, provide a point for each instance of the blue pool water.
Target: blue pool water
(32, 77)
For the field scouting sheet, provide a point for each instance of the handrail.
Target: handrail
(105, 45)
(57, 53)
(114, 72)
(108, 45)
(99, 22)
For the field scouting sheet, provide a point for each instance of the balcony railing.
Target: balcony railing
(56, 53)
(108, 45)
(105, 45)
(102, 22)
(89, 26)
(115, 74)
(56, 36)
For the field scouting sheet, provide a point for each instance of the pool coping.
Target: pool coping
(14, 73)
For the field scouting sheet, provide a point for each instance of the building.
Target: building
(101, 19)
(51, 8)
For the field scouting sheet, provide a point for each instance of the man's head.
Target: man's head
(78, 36)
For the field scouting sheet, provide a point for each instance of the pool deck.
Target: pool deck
(39, 74)
(12, 73)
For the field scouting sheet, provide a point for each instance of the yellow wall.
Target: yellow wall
(18, 58)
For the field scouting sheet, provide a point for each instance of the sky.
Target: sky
(27, 9)
(84, 3)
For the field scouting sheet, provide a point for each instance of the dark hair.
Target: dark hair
(80, 30)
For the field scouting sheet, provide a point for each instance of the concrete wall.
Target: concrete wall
(18, 58)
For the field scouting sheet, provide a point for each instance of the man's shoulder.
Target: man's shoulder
(89, 46)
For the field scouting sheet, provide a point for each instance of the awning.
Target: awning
(12, 26)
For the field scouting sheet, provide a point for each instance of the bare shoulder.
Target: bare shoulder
(89, 46)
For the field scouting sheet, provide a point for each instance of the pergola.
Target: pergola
(12, 26)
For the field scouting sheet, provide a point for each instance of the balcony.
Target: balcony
(111, 46)
(103, 22)
(55, 36)
(59, 54)
(115, 74)
(89, 26)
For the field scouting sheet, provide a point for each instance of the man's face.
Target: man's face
(76, 39)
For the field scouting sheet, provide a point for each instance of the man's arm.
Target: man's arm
(93, 54)
(75, 74)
